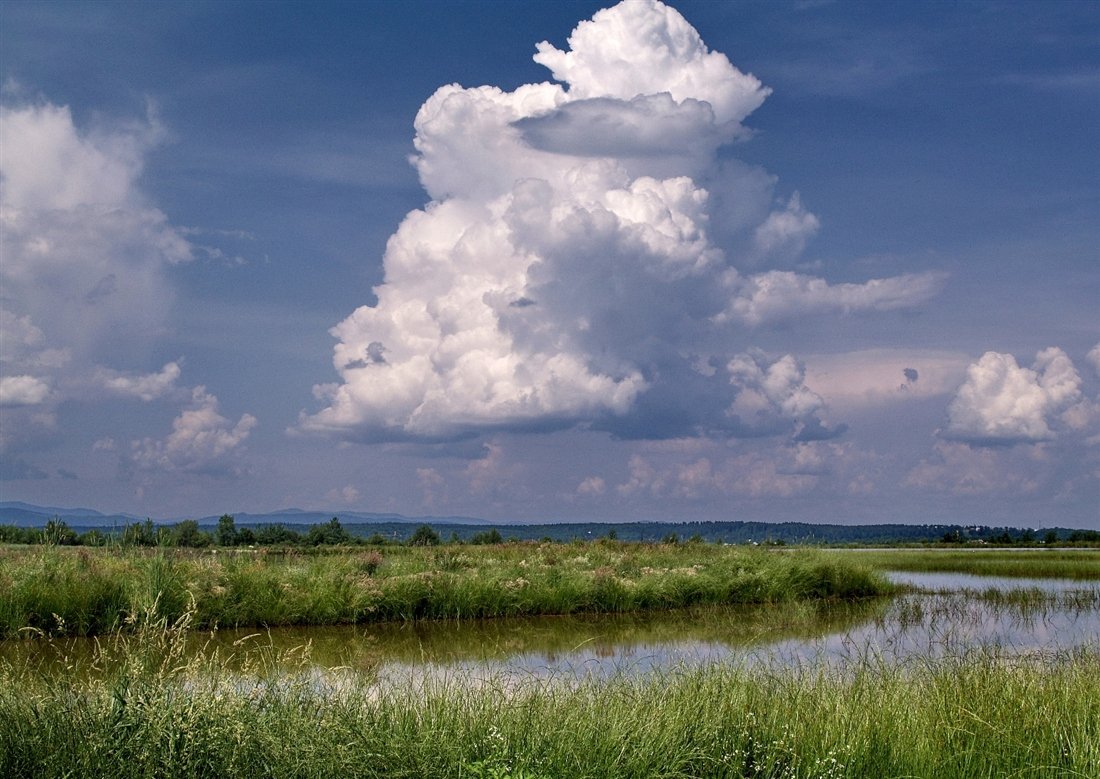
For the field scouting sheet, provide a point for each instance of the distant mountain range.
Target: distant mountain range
(398, 526)
(28, 515)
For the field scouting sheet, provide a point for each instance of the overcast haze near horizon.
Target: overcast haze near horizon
(805, 261)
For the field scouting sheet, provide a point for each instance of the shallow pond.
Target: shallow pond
(963, 613)
(954, 582)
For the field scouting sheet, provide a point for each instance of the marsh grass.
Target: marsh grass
(976, 714)
(1079, 564)
(60, 591)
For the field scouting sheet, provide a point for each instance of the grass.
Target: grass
(1068, 564)
(65, 591)
(976, 714)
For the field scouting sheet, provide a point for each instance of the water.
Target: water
(961, 613)
(955, 582)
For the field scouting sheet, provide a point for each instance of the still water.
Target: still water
(953, 614)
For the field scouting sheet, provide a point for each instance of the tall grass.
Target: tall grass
(1047, 563)
(973, 715)
(61, 591)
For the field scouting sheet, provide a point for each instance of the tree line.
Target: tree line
(226, 533)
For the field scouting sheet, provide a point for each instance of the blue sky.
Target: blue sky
(774, 261)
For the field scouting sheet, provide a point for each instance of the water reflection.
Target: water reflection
(953, 582)
(915, 625)
(542, 644)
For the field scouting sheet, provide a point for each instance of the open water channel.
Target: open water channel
(951, 614)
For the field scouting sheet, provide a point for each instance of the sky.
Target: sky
(784, 261)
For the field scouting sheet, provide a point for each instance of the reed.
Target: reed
(62, 591)
(1083, 564)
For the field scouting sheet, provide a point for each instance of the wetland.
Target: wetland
(910, 673)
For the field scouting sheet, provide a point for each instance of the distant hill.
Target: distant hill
(28, 515)
(22, 514)
(398, 527)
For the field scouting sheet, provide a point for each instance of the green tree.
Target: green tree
(332, 532)
(424, 536)
(276, 534)
(226, 534)
(188, 533)
(487, 537)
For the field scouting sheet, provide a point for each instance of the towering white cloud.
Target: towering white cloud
(1001, 402)
(565, 270)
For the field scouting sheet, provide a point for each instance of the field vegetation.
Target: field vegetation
(1082, 564)
(60, 590)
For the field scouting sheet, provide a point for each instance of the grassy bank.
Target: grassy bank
(1047, 563)
(977, 715)
(64, 591)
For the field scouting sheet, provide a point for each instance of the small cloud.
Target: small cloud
(147, 387)
(347, 495)
(911, 375)
(1093, 358)
(593, 485)
(66, 474)
(23, 391)
(201, 441)
(786, 232)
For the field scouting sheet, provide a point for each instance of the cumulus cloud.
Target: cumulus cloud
(646, 48)
(348, 494)
(592, 485)
(23, 391)
(1094, 358)
(84, 252)
(201, 441)
(83, 281)
(786, 231)
(566, 270)
(772, 395)
(146, 387)
(1003, 403)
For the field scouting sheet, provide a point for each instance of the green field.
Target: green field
(1083, 564)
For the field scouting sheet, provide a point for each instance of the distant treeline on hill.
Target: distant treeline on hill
(227, 533)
